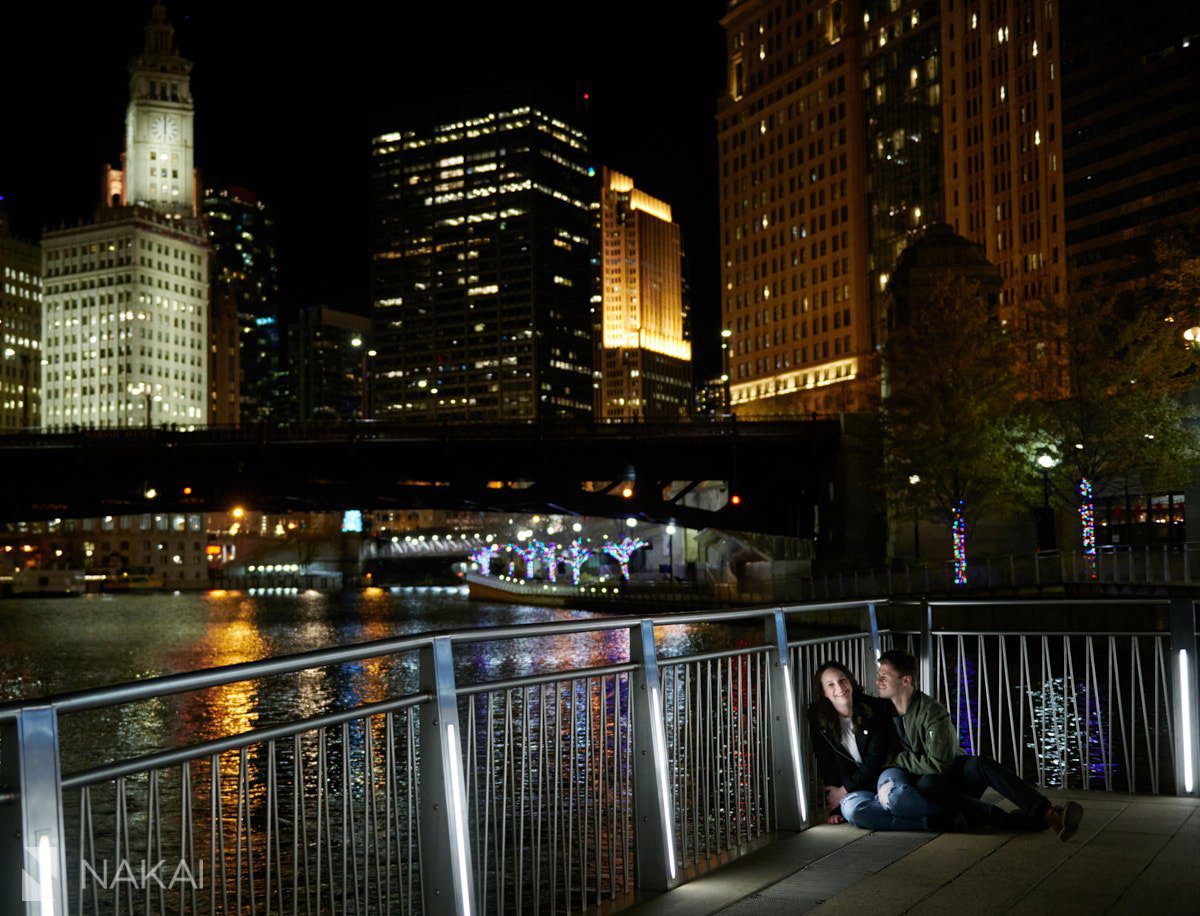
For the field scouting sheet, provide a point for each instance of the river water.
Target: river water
(51, 646)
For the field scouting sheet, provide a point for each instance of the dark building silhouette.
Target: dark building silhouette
(246, 270)
(20, 330)
(328, 354)
(1131, 122)
(483, 266)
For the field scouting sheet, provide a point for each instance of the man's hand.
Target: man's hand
(834, 795)
(835, 819)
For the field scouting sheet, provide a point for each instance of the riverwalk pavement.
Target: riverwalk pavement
(1132, 854)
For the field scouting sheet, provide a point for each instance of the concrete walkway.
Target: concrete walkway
(1132, 854)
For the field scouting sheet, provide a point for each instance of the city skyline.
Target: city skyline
(298, 135)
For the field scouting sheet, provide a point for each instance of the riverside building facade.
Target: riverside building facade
(483, 268)
(644, 360)
(20, 331)
(125, 304)
(847, 129)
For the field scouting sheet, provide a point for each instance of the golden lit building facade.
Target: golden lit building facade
(645, 359)
(845, 130)
(794, 241)
(1003, 144)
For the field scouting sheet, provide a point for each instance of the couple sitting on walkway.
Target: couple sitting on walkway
(893, 762)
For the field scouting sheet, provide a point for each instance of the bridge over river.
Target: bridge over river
(624, 781)
(783, 477)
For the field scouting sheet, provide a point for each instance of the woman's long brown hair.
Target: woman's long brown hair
(827, 717)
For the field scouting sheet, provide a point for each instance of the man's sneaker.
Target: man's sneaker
(1065, 820)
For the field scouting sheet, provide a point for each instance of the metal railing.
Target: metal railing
(556, 792)
(1161, 566)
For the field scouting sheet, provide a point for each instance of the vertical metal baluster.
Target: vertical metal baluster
(370, 818)
(389, 804)
(300, 831)
(572, 797)
(244, 831)
(217, 837)
(525, 792)
(272, 829)
(1114, 685)
(540, 807)
(413, 821)
(556, 797)
(322, 804)
(1137, 697)
(710, 754)
(1004, 696)
(1027, 706)
(349, 836)
(482, 780)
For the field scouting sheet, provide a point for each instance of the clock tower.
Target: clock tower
(159, 136)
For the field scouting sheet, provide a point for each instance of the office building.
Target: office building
(793, 211)
(244, 243)
(329, 352)
(1131, 128)
(20, 331)
(844, 132)
(483, 272)
(644, 358)
(125, 297)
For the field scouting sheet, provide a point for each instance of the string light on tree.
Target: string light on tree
(482, 557)
(623, 550)
(959, 530)
(576, 555)
(1087, 518)
(529, 553)
(548, 554)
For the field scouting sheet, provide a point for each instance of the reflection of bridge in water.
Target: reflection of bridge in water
(570, 789)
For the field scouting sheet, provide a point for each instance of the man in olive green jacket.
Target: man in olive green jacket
(948, 776)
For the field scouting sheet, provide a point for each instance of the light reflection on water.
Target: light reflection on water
(58, 645)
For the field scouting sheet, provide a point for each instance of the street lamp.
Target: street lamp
(1192, 336)
(726, 333)
(913, 480)
(671, 550)
(1046, 462)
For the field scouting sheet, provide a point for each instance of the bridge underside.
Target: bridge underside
(785, 475)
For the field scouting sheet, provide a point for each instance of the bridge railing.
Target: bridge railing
(560, 791)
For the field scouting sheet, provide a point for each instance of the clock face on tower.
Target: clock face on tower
(164, 128)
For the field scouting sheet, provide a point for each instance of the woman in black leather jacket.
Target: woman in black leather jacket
(853, 736)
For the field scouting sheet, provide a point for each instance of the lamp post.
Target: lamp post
(726, 333)
(1046, 462)
(671, 551)
(913, 480)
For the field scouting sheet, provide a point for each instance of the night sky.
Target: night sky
(286, 103)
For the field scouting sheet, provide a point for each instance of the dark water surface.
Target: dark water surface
(50, 646)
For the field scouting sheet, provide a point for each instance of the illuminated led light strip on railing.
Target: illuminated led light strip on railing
(45, 859)
(1185, 693)
(794, 740)
(460, 815)
(660, 764)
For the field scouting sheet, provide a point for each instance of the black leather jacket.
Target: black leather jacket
(877, 741)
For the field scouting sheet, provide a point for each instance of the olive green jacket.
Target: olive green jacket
(927, 736)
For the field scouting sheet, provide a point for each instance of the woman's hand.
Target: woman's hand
(835, 819)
